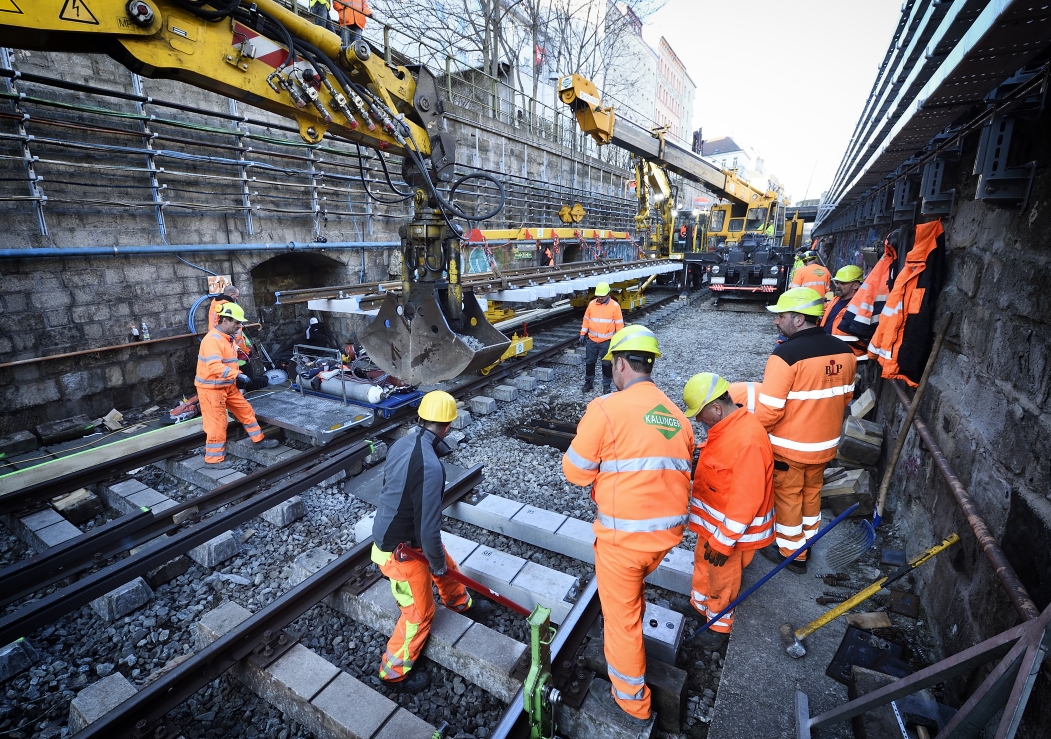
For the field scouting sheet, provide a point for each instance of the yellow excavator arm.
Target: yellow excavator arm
(243, 54)
(260, 53)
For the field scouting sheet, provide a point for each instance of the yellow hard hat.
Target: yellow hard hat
(701, 390)
(232, 310)
(809, 256)
(850, 273)
(634, 338)
(601, 289)
(438, 406)
(799, 300)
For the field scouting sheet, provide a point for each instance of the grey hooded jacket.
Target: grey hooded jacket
(410, 506)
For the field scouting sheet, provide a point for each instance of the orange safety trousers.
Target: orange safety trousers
(410, 581)
(214, 405)
(714, 588)
(620, 573)
(797, 503)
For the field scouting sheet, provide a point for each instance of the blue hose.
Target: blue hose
(193, 310)
(777, 569)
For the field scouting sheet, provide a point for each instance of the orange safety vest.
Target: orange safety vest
(216, 362)
(353, 12)
(904, 337)
(807, 386)
(861, 316)
(814, 276)
(635, 447)
(837, 330)
(733, 486)
(745, 394)
(602, 321)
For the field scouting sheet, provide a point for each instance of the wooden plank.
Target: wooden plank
(20, 479)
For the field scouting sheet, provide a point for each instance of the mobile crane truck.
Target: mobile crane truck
(745, 248)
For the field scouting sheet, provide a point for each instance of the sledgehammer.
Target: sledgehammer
(793, 638)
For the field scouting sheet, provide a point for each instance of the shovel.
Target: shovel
(414, 341)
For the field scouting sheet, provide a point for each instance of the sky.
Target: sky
(787, 77)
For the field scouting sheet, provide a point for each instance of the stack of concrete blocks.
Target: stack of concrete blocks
(131, 496)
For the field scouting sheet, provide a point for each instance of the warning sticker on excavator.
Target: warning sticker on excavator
(8, 6)
(76, 11)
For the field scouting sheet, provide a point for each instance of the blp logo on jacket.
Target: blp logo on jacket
(662, 420)
(833, 368)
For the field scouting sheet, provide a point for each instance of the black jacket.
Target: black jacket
(410, 505)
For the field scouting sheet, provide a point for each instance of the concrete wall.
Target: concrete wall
(102, 197)
(987, 405)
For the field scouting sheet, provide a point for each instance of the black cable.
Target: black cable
(373, 195)
(223, 8)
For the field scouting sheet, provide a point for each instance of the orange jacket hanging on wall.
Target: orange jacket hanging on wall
(861, 316)
(905, 335)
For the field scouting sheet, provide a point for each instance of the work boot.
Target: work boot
(269, 444)
(713, 640)
(480, 610)
(612, 708)
(773, 554)
(414, 682)
(607, 388)
(224, 465)
(589, 385)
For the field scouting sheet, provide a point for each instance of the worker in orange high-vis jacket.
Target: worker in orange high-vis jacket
(813, 275)
(847, 281)
(635, 448)
(807, 385)
(216, 381)
(745, 394)
(732, 505)
(409, 511)
(602, 319)
(353, 15)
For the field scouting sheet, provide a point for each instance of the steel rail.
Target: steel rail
(154, 701)
(83, 552)
(1005, 572)
(51, 607)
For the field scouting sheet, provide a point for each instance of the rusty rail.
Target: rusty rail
(1005, 573)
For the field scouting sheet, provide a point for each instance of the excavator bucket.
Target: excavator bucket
(424, 349)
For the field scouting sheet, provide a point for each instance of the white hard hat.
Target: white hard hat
(313, 321)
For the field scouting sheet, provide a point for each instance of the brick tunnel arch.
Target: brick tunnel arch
(292, 272)
(571, 253)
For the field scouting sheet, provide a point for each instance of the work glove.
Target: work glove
(440, 573)
(244, 381)
(582, 339)
(716, 558)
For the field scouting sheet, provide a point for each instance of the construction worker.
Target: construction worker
(813, 275)
(602, 319)
(353, 15)
(732, 505)
(807, 385)
(549, 258)
(230, 294)
(634, 448)
(216, 381)
(321, 10)
(410, 512)
(847, 281)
